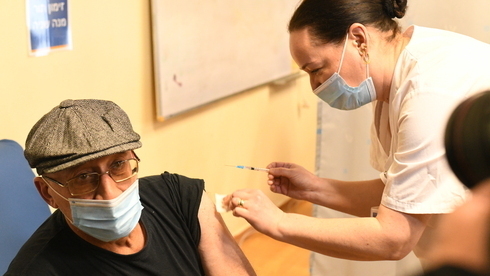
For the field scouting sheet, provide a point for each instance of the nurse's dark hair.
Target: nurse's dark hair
(329, 20)
(467, 142)
(467, 139)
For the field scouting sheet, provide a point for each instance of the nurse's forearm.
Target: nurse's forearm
(351, 197)
(365, 239)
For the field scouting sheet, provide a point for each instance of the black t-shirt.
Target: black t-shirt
(450, 270)
(171, 203)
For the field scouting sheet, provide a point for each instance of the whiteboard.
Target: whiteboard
(205, 50)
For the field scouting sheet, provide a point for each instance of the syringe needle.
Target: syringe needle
(250, 168)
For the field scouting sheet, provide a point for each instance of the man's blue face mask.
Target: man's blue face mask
(338, 94)
(107, 220)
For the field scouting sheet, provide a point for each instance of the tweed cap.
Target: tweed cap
(77, 131)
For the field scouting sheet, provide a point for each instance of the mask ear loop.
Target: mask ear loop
(343, 52)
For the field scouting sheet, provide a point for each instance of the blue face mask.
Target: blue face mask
(108, 220)
(338, 94)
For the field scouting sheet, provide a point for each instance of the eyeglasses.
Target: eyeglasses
(88, 182)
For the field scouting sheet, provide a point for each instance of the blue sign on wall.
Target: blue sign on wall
(49, 27)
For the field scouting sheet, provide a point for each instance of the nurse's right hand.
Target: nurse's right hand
(293, 180)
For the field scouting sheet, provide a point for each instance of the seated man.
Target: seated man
(109, 221)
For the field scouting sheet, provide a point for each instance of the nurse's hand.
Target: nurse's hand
(255, 207)
(293, 180)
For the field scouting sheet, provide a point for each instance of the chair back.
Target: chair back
(22, 210)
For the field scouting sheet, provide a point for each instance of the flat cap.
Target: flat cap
(77, 131)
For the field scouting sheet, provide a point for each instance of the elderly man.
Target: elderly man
(109, 221)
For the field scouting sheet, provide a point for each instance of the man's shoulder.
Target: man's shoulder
(174, 189)
(169, 177)
(169, 180)
(37, 250)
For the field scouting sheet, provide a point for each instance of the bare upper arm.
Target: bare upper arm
(219, 251)
(402, 230)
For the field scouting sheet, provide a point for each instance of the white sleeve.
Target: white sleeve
(419, 179)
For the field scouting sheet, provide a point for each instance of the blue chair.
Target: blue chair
(22, 210)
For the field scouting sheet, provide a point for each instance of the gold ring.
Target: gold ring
(241, 202)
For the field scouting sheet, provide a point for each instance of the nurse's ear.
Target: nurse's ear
(358, 33)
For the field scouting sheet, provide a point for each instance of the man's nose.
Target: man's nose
(108, 188)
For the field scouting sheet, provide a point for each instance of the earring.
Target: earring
(366, 58)
(361, 49)
(364, 53)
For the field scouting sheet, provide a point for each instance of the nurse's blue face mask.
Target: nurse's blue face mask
(338, 94)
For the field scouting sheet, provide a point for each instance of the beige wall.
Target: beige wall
(111, 59)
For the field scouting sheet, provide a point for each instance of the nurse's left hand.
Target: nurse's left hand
(255, 207)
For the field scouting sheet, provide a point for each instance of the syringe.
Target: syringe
(250, 168)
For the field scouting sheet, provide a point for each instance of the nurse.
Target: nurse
(356, 54)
